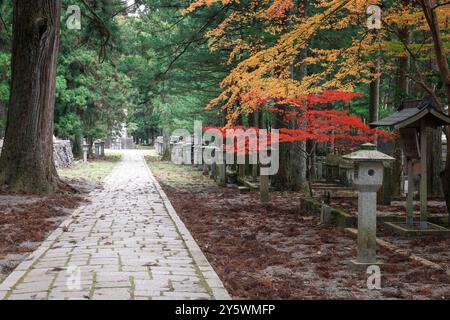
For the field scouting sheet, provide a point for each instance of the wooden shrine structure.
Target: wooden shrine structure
(412, 119)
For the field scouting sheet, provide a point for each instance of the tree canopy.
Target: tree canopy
(227, 63)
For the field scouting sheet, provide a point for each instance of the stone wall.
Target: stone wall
(62, 153)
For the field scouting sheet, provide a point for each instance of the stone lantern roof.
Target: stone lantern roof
(368, 152)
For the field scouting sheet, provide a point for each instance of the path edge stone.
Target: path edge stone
(23, 268)
(212, 279)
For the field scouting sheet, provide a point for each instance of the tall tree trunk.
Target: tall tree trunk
(77, 147)
(291, 175)
(3, 47)
(374, 104)
(292, 167)
(428, 7)
(166, 155)
(445, 177)
(402, 91)
(384, 194)
(26, 162)
(2, 115)
(374, 91)
(434, 162)
(256, 124)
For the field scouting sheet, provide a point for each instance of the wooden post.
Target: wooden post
(213, 172)
(223, 171)
(410, 197)
(242, 171)
(256, 118)
(223, 175)
(423, 178)
(102, 150)
(254, 172)
(264, 188)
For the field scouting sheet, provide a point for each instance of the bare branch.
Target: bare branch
(440, 5)
(102, 25)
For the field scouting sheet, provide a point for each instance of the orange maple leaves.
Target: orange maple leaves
(265, 69)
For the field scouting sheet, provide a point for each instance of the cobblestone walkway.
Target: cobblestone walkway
(127, 244)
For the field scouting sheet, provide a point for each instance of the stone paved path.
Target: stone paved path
(127, 244)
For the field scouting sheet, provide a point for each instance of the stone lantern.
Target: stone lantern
(367, 179)
(85, 151)
(102, 148)
(97, 146)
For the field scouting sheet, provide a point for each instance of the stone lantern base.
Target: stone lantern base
(415, 230)
(362, 266)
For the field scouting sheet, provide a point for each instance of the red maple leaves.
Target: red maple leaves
(317, 118)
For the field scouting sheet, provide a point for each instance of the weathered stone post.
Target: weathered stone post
(187, 153)
(97, 147)
(102, 148)
(213, 172)
(254, 172)
(85, 151)
(368, 178)
(211, 164)
(177, 153)
(223, 170)
(242, 171)
(198, 155)
(320, 167)
(264, 188)
(159, 145)
(325, 215)
(205, 165)
(222, 174)
(264, 181)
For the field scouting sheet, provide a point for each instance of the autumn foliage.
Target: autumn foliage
(264, 68)
(315, 121)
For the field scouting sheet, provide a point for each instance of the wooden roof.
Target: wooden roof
(411, 112)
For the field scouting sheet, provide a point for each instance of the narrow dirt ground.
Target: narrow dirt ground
(275, 252)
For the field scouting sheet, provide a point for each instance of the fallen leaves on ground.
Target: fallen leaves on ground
(24, 224)
(275, 252)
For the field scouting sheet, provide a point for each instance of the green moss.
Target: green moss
(95, 170)
(340, 218)
(340, 213)
(178, 175)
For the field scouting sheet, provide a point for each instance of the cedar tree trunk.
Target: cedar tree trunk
(428, 7)
(26, 162)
